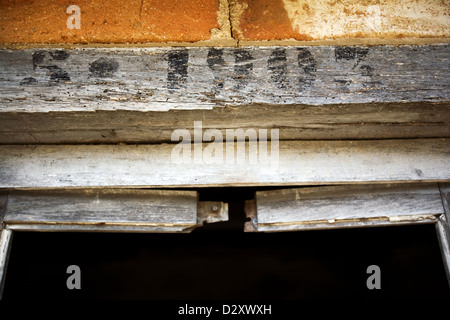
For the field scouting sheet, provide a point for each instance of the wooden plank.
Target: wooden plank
(345, 206)
(443, 228)
(295, 122)
(158, 79)
(298, 163)
(123, 210)
(143, 94)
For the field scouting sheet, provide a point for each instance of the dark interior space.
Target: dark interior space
(221, 262)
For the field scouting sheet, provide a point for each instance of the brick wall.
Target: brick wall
(223, 22)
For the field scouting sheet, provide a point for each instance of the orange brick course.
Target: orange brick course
(112, 21)
(263, 20)
(221, 22)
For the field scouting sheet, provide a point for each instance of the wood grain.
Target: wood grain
(445, 193)
(295, 122)
(108, 210)
(5, 239)
(443, 228)
(160, 79)
(5, 246)
(346, 206)
(299, 163)
(109, 95)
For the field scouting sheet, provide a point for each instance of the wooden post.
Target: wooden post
(443, 228)
(5, 244)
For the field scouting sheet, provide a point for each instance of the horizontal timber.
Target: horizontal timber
(110, 210)
(289, 163)
(344, 207)
(140, 95)
(294, 122)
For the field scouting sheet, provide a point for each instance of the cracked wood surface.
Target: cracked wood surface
(295, 163)
(143, 94)
(113, 210)
(345, 206)
(161, 79)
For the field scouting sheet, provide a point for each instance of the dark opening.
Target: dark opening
(221, 262)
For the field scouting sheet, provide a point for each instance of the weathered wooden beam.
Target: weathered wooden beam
(292, 163)
(159, 79)
(295, 122)
(5, 243)
(443, 228)
(117, 210)
(109, 95)
(344, 207)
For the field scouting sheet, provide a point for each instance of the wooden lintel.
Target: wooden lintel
(287, 163)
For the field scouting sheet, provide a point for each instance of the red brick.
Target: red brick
(264, 20)
(112, 21)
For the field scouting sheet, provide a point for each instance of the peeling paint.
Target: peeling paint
(371, 18)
